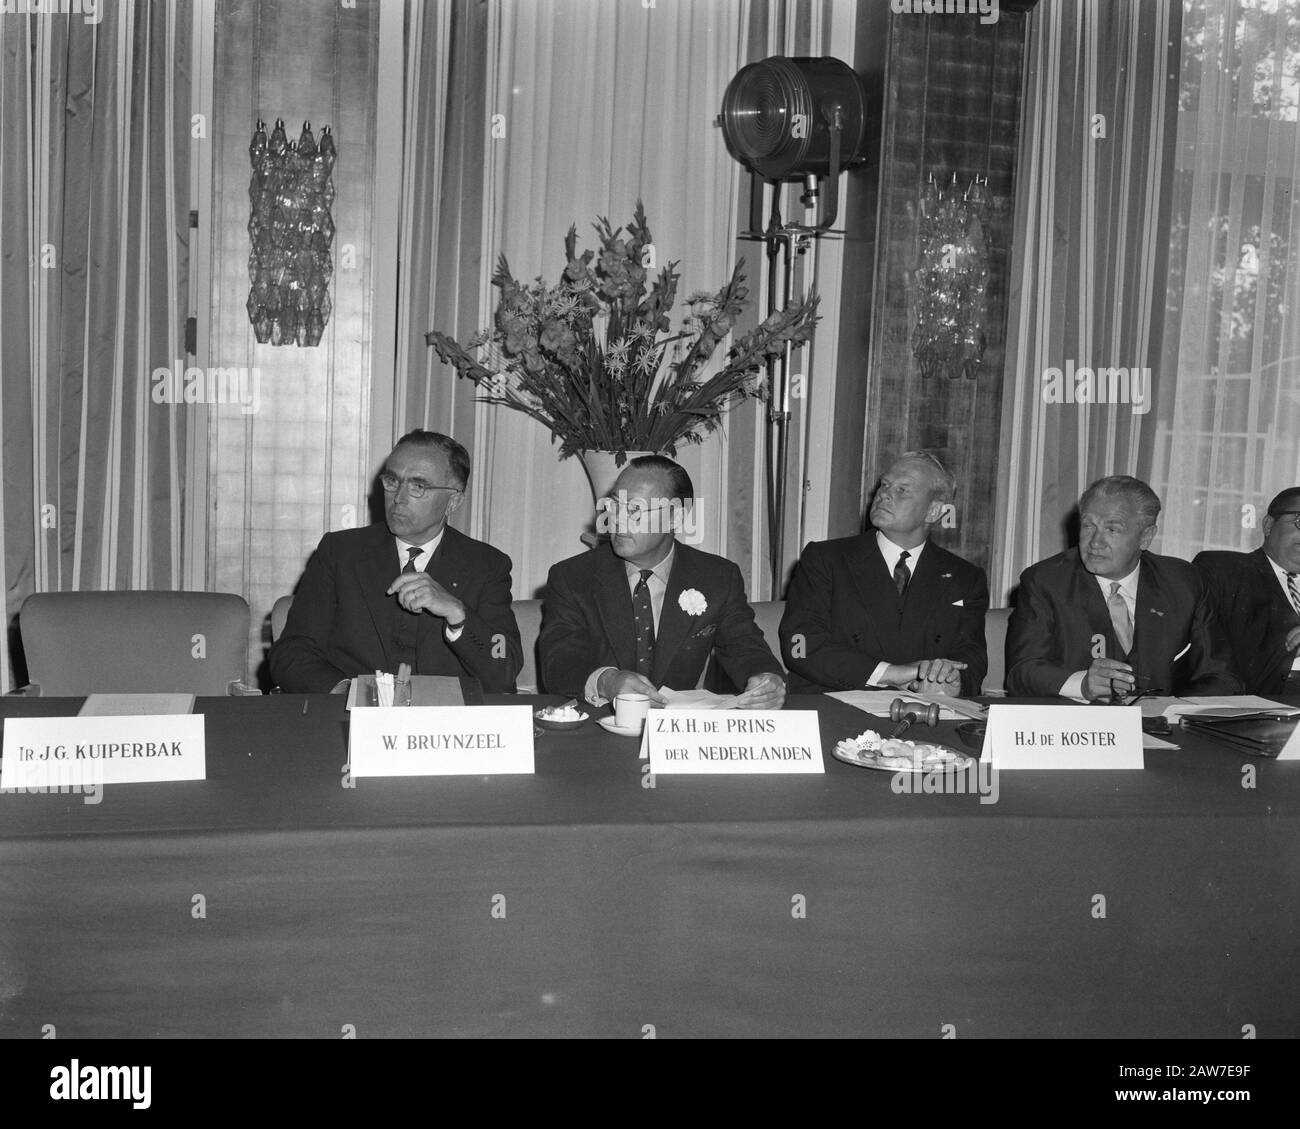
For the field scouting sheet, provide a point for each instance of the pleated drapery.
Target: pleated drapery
(95, 134)
(1088, 265)
(1228, 432)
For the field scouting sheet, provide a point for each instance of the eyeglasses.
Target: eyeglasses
(415, 487)
(1294, 515)
(619, 515)
(634, 511)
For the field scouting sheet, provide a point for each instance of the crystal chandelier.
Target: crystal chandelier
(952, 279)
(290, 232)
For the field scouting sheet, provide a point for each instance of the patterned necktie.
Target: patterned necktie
(901, 573)
(1120, 618)
(1293, 588)
(413, 552)
(644, 616)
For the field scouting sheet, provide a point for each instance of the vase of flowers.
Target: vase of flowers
(595, 360)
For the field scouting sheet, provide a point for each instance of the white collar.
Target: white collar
(891, 552)
(427, 549)
(1128, 585)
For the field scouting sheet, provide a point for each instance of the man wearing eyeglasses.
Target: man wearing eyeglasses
(887, 609)
(1258, 599)
(644, 611)
(412, 590)
(1108, 620)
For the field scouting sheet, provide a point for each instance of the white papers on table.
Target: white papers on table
(1222, 705)
(878, 702)
(1150, 741)
(136, 705)
(696, 699)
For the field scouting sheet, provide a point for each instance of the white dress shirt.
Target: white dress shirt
(891, 553)
(1128, 588)
(422, 560)
(657, 582)
(1280, 573)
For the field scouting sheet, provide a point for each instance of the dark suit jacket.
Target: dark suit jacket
(1062, 616)
(1256, 615)
(841, 615)
(341, 624)
(587, 623)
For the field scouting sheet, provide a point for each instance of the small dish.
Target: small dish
(560, 726)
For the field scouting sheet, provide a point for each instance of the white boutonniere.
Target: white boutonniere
(692, 602)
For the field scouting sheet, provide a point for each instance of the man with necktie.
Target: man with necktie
(1109, 619)
(1257, 597)
(888, 609)
(643, 610)
(411, 590)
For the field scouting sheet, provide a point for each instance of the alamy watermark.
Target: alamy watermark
(181, 385)
(88, 10)
(981, 778)
(987, 10)
(54, 778)
(1085, 385)
(619, 514)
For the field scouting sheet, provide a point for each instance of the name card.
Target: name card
(733, 741)
(1071, 737)
(1291, 750)
(59, 753)
(441, 741)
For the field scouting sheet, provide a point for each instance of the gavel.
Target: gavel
(905, 713)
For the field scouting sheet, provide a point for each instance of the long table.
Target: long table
(592, 899)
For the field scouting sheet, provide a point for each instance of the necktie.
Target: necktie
(413, 552)
(1120, 618)
(644, 616)
(901, 573)
(1293, 588)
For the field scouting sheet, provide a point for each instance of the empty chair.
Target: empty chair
(280, 616)
(80, 643)
(528, 614)
(995, 636)
(767, 614)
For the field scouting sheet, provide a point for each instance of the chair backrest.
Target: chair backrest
(280, 616)
(767, 614)
(995, 637)
(134, 642)
(528, 614)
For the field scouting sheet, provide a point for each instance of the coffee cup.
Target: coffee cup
(630, 710)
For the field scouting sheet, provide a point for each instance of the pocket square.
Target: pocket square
(703, 631)
(959, 603)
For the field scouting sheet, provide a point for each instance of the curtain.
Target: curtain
(1089, 265)
(1228, 434)
(586, 108)
(297, 462)
(94, 166)
(579, 109)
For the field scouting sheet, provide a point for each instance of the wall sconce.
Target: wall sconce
(290, 231)
(952, 279)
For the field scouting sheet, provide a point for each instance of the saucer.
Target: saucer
(607, 724)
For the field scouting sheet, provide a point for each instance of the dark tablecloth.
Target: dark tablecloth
(582, 901)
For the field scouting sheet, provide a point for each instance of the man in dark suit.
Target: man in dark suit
(644, 611)
(887, 608)
(413, 590)
(1109, 618)
(1257, 597)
